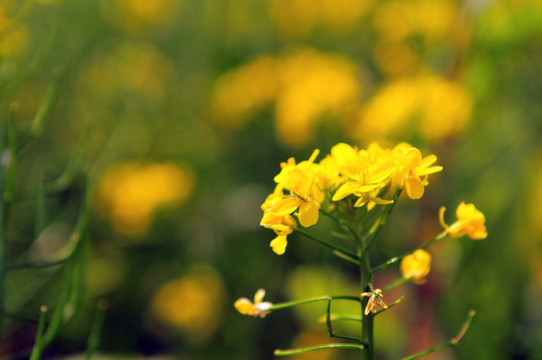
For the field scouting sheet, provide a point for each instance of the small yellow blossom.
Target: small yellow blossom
(416, 266)
(256, 308)
(470, 222)
(375, 301)
(412, 170)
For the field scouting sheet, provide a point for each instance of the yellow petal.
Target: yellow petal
(308, 213)
(285, 206)
(414, 187)
(245, 306)
(279, 244)
(345, 190)
(258, 297)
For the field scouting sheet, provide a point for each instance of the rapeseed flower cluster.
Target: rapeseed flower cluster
(303, 86)
(348, 177)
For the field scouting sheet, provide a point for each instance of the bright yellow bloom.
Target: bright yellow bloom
(375, 301)
(299, 180)
(256, 308)
(416, 266)
(365, 176)
(412, 171)
(470, 222)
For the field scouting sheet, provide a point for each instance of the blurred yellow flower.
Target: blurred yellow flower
(256, 308)
(138, 14)
(13, 36)
(431, 105)
(130, 193)
(128, 68)
(416, 266)
(431, 19)
(191, 303)
(299, 17)
(470, 222)
(304, 85)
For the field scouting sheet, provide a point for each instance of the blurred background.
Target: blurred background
(174, 115)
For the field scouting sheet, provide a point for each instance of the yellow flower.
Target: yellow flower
(191, 303)
(299, 180)
(130, 193)
(256, 308)
(416, 266)
(412, 171)
(365, 175)
(470, 222)
(375, 301)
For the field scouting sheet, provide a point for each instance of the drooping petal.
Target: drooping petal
(414, 187)
(279, 244)
(308, 213)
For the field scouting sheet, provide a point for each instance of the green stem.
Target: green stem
(367, 325)
(279, 352)
(375, 229)
(329, 245)
(330, 328)
(452, 342)
(38, 344)
(96, 330)
(396, 283)
(288, 304)
(393, 260)
(9, 183)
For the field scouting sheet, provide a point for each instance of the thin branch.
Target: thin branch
(393, 260)
(287, 352)
(329, 245)
(452, 342)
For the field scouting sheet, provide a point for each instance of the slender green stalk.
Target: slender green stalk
(396, 302)
(452, 342)
(396, 283)
(367, 324)
(329, 245)
(96, 330)
(288, 304)
(345, 257)
(375, 229)
(38, 344)
(279, 352)
(330, 328)
(393, 260)
(8, 192)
